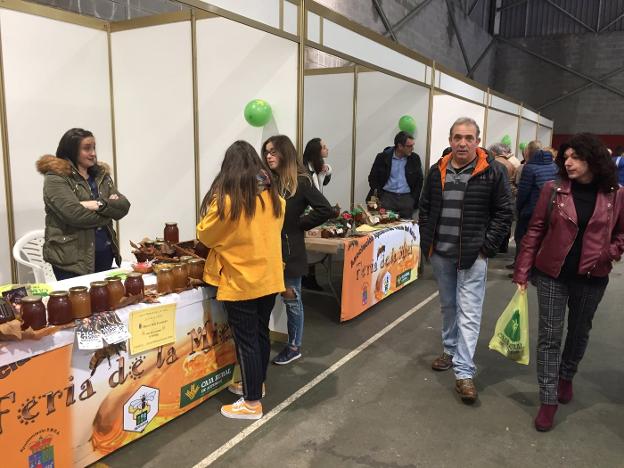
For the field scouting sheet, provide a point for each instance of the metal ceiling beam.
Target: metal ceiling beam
(599, 15)
(618, 18)
(579, 89)
(617, 91)
(570, 15)
(512, 5)
(409, 16)
(459, 39)
(473, 69)
(384, 20)
(472, 7)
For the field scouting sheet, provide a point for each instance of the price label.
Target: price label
(87, 335)
(112, 328)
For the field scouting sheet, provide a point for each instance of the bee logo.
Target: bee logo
(141, 409)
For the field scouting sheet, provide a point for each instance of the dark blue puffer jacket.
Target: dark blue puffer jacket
(539, 170)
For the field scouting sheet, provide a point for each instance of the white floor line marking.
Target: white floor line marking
(214, 456)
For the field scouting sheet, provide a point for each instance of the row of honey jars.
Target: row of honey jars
(34, 311)
(79, 302)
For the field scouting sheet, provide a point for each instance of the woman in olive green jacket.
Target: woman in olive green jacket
(81, 203)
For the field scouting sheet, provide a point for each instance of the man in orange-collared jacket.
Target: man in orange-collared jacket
(465, 214)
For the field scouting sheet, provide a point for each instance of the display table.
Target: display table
(61, 406)
(374, 265)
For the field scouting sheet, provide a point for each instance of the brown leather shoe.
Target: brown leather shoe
(442, 363)
(467, 390)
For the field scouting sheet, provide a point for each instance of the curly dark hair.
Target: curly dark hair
(589, 148)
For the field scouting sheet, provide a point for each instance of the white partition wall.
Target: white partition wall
(56, 78)
(544, 134)
(264, 11)
(528, 132)
(381, 101)
(236, 64)
(447, 109)
(500, 124)
(153, 88)
(328, 114)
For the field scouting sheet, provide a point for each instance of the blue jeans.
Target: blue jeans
(461, 299)
(294, 312)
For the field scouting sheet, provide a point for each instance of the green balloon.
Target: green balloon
(258, 113)
(506, 140)
(522, 146)
(407, 124)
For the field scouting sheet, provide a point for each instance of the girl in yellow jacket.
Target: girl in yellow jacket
(242, 218)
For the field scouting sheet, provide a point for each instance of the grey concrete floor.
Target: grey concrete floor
(387, 408)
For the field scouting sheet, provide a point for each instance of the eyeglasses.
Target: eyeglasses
(273, 152)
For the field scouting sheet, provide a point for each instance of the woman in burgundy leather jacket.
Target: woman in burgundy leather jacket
(575, 234)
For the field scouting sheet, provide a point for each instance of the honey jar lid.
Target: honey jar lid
(98, 284)
(171, 223)
(135, 274)
(196, 260)
(31, 299)
(113, 278)
(78, 289)
(59, 294)
(164, 270)
(186, 258)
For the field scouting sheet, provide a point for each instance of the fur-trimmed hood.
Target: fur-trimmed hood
(59, 166)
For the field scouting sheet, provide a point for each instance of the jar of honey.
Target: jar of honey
(116, 291)
(99, 297)
(196, 268)
(184, 261)
(134, 284)
(59, 308)
(171, 233)
(80, 301)
(33, 313)
(164, 281)
(180, 278)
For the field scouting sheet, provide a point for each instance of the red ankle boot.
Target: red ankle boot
(545, 417)
(564, 391)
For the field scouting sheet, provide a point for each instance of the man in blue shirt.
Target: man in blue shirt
(397, 176)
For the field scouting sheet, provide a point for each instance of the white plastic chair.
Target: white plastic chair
(30, 246)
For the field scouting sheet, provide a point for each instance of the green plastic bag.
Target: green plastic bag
(511, 336)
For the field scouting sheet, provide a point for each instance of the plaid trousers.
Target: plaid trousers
(582, 299)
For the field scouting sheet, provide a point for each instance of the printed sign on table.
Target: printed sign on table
(378, 265)
(152, 327)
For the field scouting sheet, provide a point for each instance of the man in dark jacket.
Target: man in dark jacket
(465, 213)
(397, 176)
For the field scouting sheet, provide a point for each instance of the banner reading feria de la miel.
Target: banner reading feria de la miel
(69, 407)
(378, 265)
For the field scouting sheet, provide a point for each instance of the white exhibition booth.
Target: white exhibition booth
(164, 96)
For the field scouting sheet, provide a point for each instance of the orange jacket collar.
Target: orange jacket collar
(482, 164)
